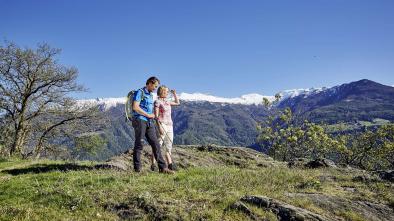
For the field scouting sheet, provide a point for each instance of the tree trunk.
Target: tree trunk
(18, 142)
(38, 148)
(21, 132)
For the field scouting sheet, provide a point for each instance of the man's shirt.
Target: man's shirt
(146, 103)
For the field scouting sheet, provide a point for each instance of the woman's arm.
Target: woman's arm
(176, 102)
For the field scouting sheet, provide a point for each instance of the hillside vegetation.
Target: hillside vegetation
(213, 183)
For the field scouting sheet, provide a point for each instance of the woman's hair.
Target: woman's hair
(161, 89)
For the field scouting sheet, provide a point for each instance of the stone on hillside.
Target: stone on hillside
(306, 163)
(321, 162)
(240, 206)
(366, 178)
(120, 162)
(208, 148)
(386, 175)
(283, 210)
(365, 209)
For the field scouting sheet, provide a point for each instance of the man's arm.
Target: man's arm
(138, 109)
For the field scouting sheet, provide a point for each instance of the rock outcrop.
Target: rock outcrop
(198, 155)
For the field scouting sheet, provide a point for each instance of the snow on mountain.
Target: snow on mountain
(248, 99)
(297, 92)
(105, 103)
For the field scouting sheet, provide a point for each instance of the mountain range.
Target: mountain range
(206, 119)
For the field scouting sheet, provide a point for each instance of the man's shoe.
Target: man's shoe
(153, 167)
(137, 170)
(172, 166)
(166, 171)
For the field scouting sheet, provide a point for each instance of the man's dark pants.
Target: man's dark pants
(144, 128)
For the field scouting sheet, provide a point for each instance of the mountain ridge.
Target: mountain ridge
(357, 103)
(246, 99)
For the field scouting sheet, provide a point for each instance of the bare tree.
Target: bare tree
(34, 97)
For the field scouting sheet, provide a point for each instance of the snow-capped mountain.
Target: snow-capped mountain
(287, 97)
(247, 99)
(297, 92)
(204, 118)
(104, 103)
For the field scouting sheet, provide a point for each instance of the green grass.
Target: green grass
(195, 193)
(350, 215)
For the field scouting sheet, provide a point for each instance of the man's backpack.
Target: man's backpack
(129, 104)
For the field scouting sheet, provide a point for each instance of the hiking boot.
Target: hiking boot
(137, 170)
(166, 171)
(153, 167)
(172, 166)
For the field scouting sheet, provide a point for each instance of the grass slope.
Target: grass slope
(57, 190)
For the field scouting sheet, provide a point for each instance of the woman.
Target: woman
(165, 124)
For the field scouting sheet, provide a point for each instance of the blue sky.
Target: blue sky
(225, 48)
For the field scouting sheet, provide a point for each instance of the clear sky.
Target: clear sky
(225, 48)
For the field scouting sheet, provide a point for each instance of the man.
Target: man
(143, 125)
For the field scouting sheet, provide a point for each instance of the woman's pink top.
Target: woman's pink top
(164, 111)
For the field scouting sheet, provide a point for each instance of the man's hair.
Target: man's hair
(152, 80)
(161, 89)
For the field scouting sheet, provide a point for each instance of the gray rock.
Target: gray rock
(306, 163)
(298, 163)
(386, 175)
(245, 209)
(284, 211)
(367, 210)
(366, 178)
(318, 163)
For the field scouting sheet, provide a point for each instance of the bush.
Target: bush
(285, 140)
(371, 149)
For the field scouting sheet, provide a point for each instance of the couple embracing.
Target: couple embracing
(152, 120)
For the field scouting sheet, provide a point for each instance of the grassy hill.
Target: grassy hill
(211, 184)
